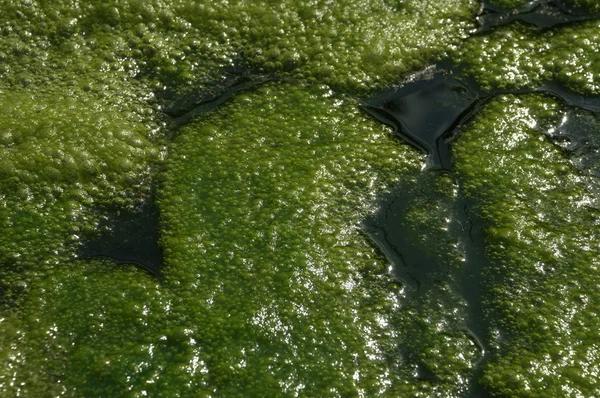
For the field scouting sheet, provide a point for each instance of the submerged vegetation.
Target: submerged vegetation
(270, 283)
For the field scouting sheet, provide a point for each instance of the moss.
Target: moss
(516, 56)
(61, 157)
(270, 288)
(261, 202)
(541, 216)
(354, 45)
(268, 280)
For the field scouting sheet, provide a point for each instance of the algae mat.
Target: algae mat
(241, 126)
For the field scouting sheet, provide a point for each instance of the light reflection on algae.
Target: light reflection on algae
(95, 328)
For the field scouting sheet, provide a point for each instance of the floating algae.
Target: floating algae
(322, 314)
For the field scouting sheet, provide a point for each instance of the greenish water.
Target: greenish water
(241, 122)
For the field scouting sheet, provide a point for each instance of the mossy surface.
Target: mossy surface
(270, 288)
(61, 158)
(353, 45)
(542, 215)
(518, 56)
(283, 200)
(268, 280)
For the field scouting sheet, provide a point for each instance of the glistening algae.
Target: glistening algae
(60, 158)
(300, 296)
(519, 56)
(352, 44)
(271, 285)
(544, 254)
(310, 300)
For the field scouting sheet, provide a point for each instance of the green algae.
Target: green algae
(268, 280)
(270, 288)
(544, 253)
(87, 329)
(61, 158)
(518, 56)
(283, 201)
(354, 45)
(350, 45)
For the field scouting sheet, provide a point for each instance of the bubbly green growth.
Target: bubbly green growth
(517, 56)
(260, 216)
(60, 158)
(545, 255)
(260, 203)
(269, 286)
(352, 44)
(88, 329)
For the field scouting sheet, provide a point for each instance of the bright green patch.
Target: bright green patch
(353, 45)
(516, 56)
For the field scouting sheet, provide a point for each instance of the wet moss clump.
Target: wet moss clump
(353, 45)
(61, 158)
(518, 56)
(261, 202)
(281, 180)
(88, 328)
(541, 216)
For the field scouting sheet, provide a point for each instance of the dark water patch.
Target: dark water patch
(428, 113)
(395, 235)
(541, 14)
(578, 135)
(425, 112)
(128, 236)
(569, 97)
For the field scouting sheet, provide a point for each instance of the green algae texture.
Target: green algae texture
(269, 285)
(310, 297)
(544, 254)
(353, 45)
(518, 56)
(60, 158)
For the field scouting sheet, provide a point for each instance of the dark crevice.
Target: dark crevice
(185, 107)
(543, 14)
(127, 236)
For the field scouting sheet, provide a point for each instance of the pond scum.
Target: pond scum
(270, 283)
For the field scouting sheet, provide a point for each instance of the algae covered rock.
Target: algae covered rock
(261, 202)
(270, 284)
(267, 277)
